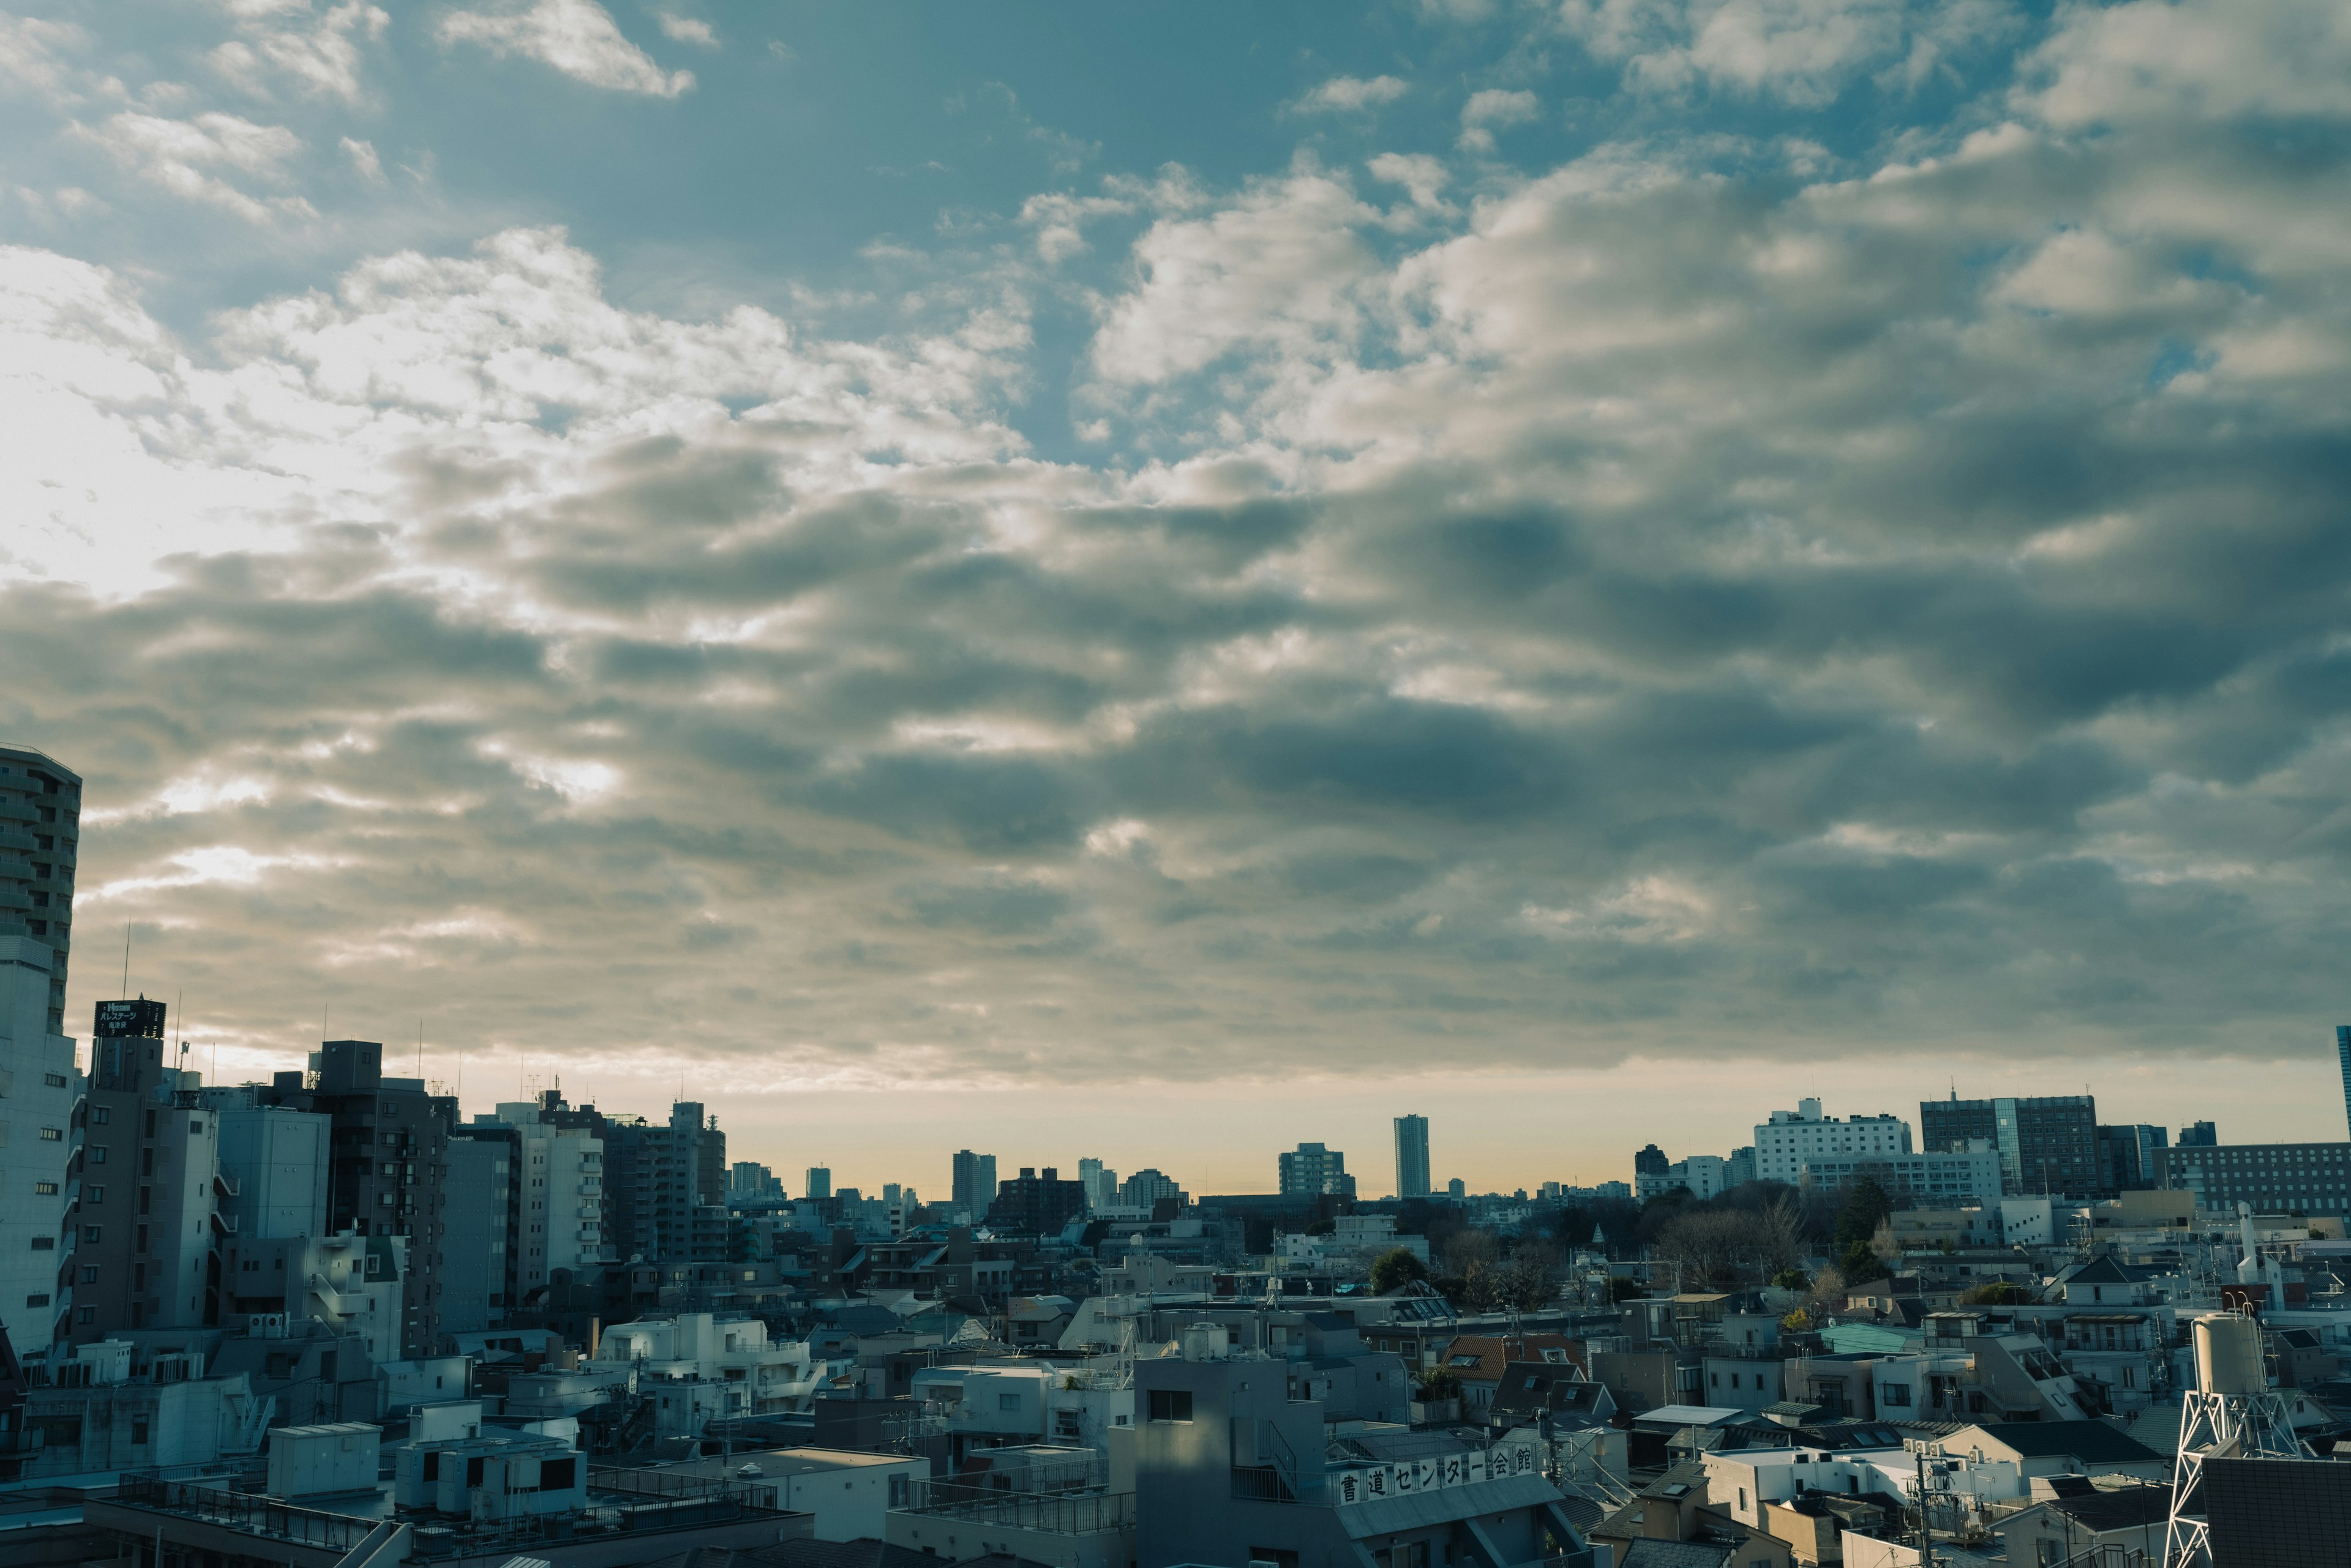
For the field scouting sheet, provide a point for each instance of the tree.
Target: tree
(1467, 1249)
(1860, 1265)
(1999, 1293)
(1791, 1279)
(1866, 1206)
(1797, 1321)
(1883, 1244)
(1622, 1287)
(1531, 1279)
(1395, 1269)
(1323, 1227)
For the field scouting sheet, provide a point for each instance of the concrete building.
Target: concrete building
(1312, 1171)
(2130, 1157)
(2198, 1135)
(1941, 1179)
(1702, 1175)
(273, 1163)
(146, 1253)
(389, 1171)
(974, 1183)
(849, 1493)
(1239, 1460)
(1793, 1139)
(40, 834)
(40, 1083)
(1412, 1157)
(1034, 1204)
(2275, 1179)
(747, 1181)
(477, 1251)
(2047, 1144)
(1146, 1187)
(350, 1283)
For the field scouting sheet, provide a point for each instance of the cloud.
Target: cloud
(686, 29)
(1352, 95)
(363, 159)
(1493, 106)
(197, 159)
(1799, 52)
(577, 38)
(323, 61)
(1679, 600)
(2148, 61)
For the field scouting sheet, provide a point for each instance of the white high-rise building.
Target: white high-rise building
(558, 1196)
(1100, 1184)
(1793, 1139)
(40, 818)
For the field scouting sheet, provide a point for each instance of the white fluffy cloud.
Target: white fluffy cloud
(577, 38)
(213, 158)
(1354, 94)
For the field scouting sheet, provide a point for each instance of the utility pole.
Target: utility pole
(1926, 1530)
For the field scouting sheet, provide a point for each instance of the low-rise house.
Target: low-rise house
(2090, 1524)
(2060, 1448)
(1478, 1361)
(850, 1494)
(1675, 1510)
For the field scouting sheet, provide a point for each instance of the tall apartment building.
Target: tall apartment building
(1412, 1157)
(1147, 1187)
(820, 1182)
(1311, 1171)
(747, 1181)
(1034, 1204)
(659, 1176)
(1793, 1139)
(2047, 1144)
(973, 1185)
(1101, 1183)
(146, 1255)
(2198, 1135)
(476, 1291)
(2343, 1055)
(550, 1178)
(387, 1171)
(40, 833)
(40, 823)
(273, 1163)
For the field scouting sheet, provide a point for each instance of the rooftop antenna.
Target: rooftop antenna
(180, 1022)
(126, 957)
(419, 1050)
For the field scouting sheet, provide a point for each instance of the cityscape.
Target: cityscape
(1384, 784)
(262, 1321)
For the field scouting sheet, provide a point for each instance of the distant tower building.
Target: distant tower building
(40, 811)
(2047, 1144)
(2343, 1055)
(820, 1182)
(2199, 1135)
(1650, 1160)
(1099, 1182)
(975, 1183)
(1412, 1157)
(1457, 1188)
(1311, 1171)
(40, 828)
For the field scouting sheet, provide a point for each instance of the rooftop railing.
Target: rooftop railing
(247, 1511)
(1057, 1513)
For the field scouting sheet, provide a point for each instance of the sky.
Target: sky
(1156, 581)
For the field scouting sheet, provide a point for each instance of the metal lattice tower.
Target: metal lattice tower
(2232, 1414)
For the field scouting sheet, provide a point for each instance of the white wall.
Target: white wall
(277, 1157)
(30, 1056)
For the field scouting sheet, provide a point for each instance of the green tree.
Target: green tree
(1395, 1269)
(1859, 1264)
(1622, 1287)
(1866, 1206)
(1999, 1293)
(1791, 1279)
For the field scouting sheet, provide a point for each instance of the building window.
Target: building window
(97, 1194)
(898, 1491)
(45, 1189)
(96, 1152)
(1008, 1401)
(53, 1134)
(1171, 1405)
(102, 1115)
(37, 1301)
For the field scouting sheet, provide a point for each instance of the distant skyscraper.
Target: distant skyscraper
(2343, 1054)
(974, 1188)
(1412, 1157)
(820, 1182)
(1457, 1188)
(40, 827)
(1649, 1160)
(1100, 1184)
(2199, 1135)
(1311, 1171)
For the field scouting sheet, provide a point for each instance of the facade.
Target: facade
(2130, 1157)
(40, 834)
(1311, 1171)
(2275, 1179)
(389, 1143)
(2342, 1056)
(273, 1165)
(2198, 1135)
(1793, 1139)
(476, 1292)
(2047, 1144)
(747, 1181)
(1100, 1184)
(1702, 1175)
(975, 1182)
(1038, 1204)
(1147, 1187)
(657, 1176)
(1412, 1153)
(40, 827)
(1942, 1179)
(1647, 1160)
(146, 1254)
